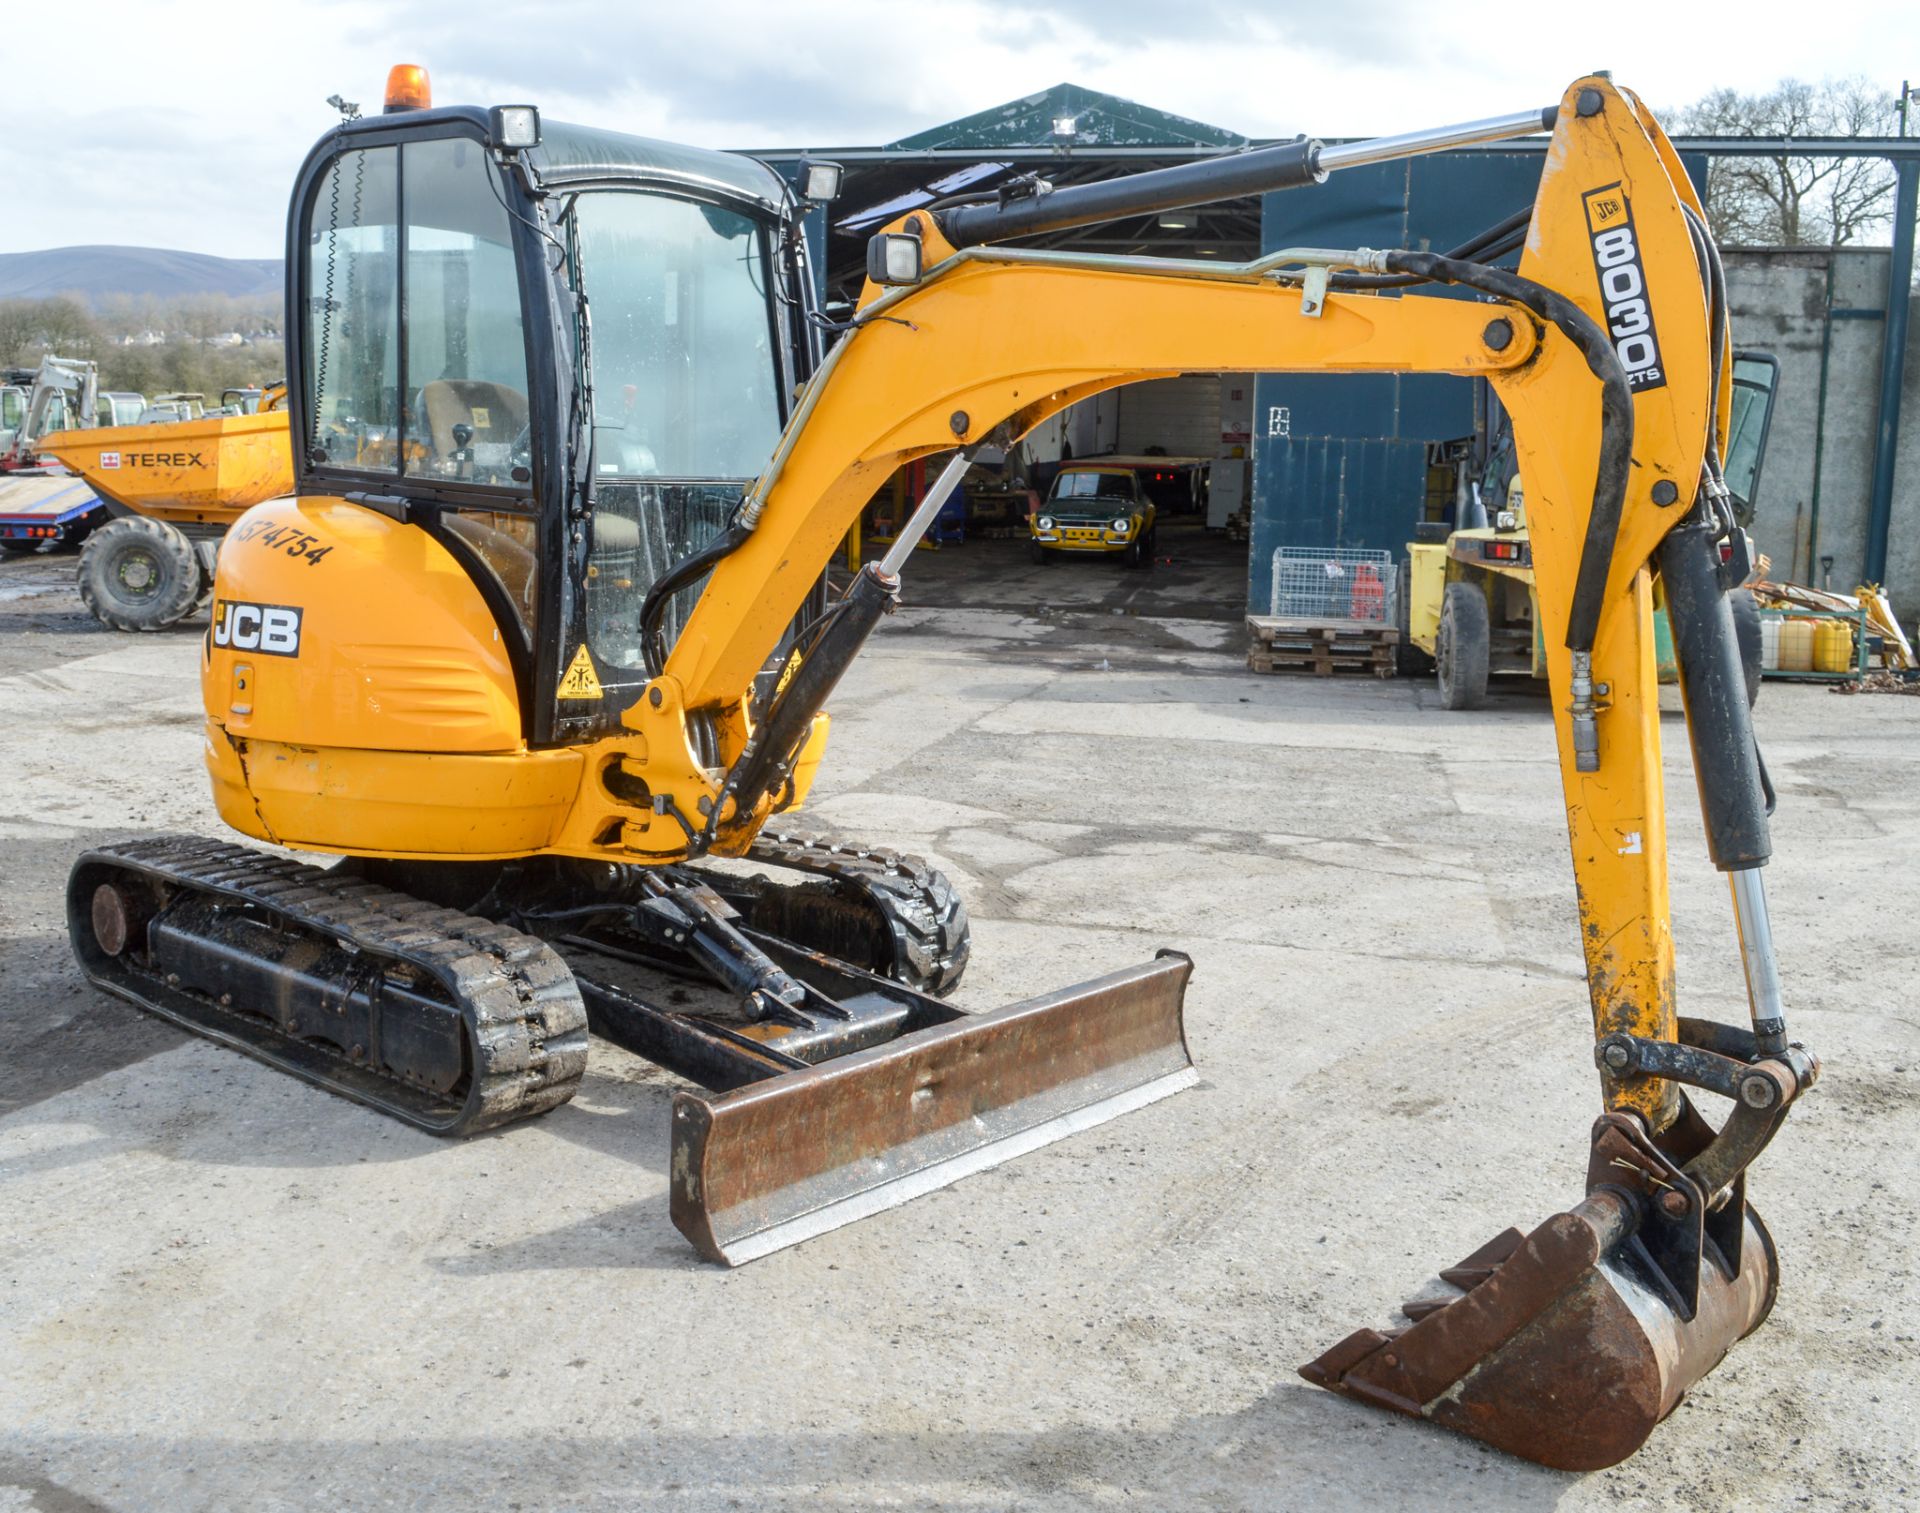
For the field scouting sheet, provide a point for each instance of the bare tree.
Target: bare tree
(1791, 200)
(30, 328)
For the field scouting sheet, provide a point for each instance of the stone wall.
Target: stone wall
(1797, 302)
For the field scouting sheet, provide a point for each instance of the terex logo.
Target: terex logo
(272, 629)
(162, 460)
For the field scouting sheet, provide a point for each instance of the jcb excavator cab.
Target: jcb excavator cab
(646, 303)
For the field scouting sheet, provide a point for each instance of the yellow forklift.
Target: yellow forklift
(1468, 607)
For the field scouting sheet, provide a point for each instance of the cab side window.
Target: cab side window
(418, 229)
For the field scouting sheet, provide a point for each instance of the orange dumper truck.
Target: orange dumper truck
(173, 489)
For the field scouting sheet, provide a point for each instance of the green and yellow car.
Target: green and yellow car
(1094, 508)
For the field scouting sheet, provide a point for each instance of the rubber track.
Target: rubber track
(526, 1024)
(922, 908)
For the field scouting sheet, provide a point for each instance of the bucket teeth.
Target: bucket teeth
(1482, 1263)
(1469, 1274)
(1557, 1348)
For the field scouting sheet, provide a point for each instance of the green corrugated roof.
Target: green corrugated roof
(1100, 120)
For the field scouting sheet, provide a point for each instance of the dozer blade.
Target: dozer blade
(784, 1159)
(1559, 1346)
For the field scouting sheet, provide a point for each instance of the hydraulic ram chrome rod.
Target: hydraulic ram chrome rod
(1436, 139)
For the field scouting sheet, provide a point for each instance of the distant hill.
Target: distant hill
(94, 272)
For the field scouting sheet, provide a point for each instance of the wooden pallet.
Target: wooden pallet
(1321, 648)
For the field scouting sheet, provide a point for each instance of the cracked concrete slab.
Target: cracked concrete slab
(221, 1289)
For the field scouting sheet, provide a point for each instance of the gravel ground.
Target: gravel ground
(222, 1289)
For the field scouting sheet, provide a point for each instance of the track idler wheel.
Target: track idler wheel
(112, 914)
(1563, 1346)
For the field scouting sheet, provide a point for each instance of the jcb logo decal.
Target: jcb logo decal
(272, 629)
(1604, 207)
(1623, 287)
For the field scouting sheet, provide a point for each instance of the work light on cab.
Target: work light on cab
(513, 128)
(820, 181)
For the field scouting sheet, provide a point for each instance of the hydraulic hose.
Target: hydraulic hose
(1497, 240)
(653, 646)
(1616, 416)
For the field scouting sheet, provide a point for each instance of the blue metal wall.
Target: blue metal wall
(1340, 460)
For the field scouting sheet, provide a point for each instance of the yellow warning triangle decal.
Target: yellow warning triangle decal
(580, 682)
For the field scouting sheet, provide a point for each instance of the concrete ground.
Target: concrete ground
(224, 1290)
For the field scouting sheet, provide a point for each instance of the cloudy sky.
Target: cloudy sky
(150, 123)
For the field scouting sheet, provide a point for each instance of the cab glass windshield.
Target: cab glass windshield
(685, 378)
(686, 394)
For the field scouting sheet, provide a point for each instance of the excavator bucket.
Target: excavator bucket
(1566, 1346)
(791, 1156)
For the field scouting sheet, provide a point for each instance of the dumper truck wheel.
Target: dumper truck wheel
(1464, 648)
(1746, 634)
(139, 574)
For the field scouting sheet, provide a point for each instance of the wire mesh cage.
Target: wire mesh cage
(1333, 583)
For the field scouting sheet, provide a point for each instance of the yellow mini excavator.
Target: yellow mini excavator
(544, 628)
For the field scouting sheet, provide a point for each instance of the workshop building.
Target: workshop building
(1355, 460)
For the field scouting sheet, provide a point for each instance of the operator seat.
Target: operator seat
(496, 413)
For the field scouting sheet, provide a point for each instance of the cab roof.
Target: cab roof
(575, 154)
(570, 154)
